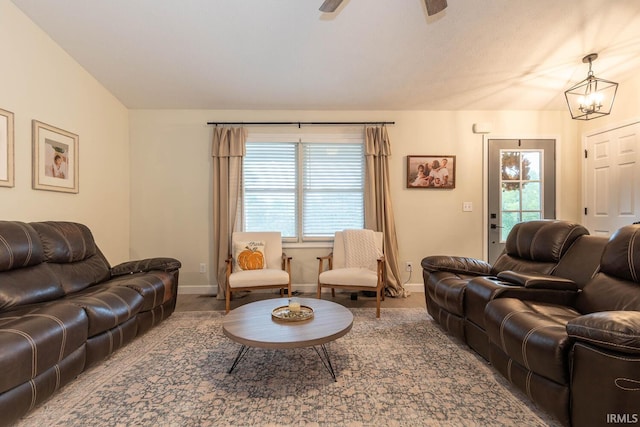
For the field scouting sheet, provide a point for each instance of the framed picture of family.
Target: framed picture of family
(433, 172)
(55, 158)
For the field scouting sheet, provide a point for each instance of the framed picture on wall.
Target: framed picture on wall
(55, 158)
(431, 171)
(6, 148)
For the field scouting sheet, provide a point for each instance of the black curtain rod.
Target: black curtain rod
(302, 123)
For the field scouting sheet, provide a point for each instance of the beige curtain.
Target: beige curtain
(378, 211)
(227, 152)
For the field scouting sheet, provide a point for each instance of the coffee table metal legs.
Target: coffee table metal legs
(324, 357)
(241, 353)
(326, 360)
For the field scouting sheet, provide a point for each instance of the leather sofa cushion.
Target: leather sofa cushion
(614, 330)
(582, 261)
(543, 241)
(607, 293)
(76, 276)
(72, 254)
(24, 278)
(28, 285)
(19, 246)
(621, 257)
(37, 337)
(155, 287)
(107, 306)
(65, 241)
(532, 334)
(481, 290)
(617, 285)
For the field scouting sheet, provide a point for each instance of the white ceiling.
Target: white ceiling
(369, 55)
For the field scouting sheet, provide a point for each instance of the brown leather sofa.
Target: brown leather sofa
(577, 357)
(574, 269)
(63, 308)
(566, 332)
(533, 246)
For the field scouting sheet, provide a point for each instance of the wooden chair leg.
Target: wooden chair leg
(333, 292)
(228, 299)
(378, 303)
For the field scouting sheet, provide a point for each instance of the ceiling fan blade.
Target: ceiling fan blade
(330, 5)
(435, 6)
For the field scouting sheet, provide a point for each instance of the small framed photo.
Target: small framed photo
(6, 148)
(55, 158)
(435, 172)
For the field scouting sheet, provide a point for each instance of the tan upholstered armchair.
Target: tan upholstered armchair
(357, 263)
(257, 262)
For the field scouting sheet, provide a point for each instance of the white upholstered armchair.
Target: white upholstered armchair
(257, 262)
(357, 263)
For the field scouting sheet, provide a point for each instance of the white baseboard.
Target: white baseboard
(302, 287)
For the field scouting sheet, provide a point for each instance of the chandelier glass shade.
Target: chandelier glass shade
(591, 98)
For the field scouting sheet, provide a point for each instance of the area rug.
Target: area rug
(399, 370)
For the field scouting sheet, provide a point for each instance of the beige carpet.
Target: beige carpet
(400, 370)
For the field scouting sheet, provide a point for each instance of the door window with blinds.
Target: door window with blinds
(307, 188)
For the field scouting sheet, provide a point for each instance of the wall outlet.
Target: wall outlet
(467, 206)
(203, 267)
(408, 266)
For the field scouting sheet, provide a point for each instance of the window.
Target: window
(307, 189)
(521, 182)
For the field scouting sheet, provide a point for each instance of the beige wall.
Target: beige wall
(171, 167)
(38, 80)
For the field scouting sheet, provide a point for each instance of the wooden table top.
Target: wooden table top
(252, 325)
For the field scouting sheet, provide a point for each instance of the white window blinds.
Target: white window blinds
(333, 188)
(269, 183)
(306, 190)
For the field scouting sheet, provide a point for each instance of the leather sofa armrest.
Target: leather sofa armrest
(538, 281)
(144, 265)
(456, 264)
(487, 288)
(613, 330)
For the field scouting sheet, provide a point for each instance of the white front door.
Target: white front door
(612, 172)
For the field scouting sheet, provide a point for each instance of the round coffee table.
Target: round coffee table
(253, 326)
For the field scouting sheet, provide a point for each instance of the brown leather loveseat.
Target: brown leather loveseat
(533, 246)
(63, 308)
(564, 328)
(579, 357)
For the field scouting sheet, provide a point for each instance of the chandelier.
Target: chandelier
(593, 97)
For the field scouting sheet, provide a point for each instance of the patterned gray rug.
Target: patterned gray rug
(399, 370)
